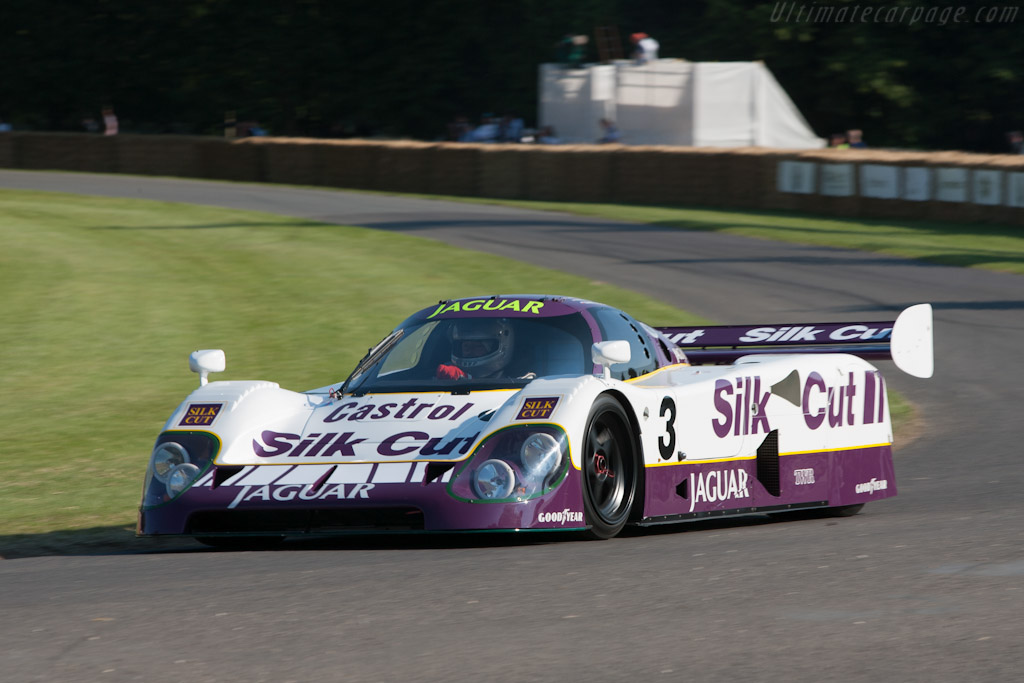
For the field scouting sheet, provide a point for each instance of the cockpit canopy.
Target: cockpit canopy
(504, 343)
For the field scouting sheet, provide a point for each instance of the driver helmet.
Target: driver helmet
(482, 346)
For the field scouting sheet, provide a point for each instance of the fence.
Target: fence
(948, 186)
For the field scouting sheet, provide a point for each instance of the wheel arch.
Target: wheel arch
(637, 513)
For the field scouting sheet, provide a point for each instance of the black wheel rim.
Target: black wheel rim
(608, 471)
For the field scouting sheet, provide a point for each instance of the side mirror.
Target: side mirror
(206, 361)
(608, 352)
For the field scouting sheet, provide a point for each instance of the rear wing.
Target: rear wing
(906, 340)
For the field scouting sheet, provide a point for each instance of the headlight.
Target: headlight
(494, 480)
(516, 464)
(540, 455)
(166, 457)
(180, 478)
(177, 460)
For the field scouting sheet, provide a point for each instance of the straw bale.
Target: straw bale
(774, 198)
(403, 168)
(8, 155)
(702, 176)
(502, 171)
(947, 211)
(297, 162)
(67, 152)
(586, 174)
(454, 169)
(759, 171)
(220, 159)
(545, 171)
(351, 164)
(638, 176)
(737, 177)
(158, 155)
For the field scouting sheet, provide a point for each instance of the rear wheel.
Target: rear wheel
(611, 476)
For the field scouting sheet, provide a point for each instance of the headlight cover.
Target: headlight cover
(540, 455)
(180, 478)
(178, 459)
(166, 457)
(514, 464)
(494, 480)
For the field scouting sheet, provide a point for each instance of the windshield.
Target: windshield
(469, 354)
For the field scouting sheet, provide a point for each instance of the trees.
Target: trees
(404, 68)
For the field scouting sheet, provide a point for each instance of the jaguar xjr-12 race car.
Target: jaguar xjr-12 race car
(525, 412)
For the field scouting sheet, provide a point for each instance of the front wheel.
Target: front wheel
(611, 475)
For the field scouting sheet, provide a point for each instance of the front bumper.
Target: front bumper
(325, 499)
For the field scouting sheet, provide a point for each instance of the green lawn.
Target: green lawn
(971, 245)
(103, 299)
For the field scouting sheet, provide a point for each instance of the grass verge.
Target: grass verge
(102, 299)
(969, 245)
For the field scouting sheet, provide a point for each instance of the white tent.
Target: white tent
(674, 102)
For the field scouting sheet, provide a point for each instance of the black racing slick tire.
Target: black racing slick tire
(611, 469)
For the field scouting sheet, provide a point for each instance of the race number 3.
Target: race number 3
(667, 443)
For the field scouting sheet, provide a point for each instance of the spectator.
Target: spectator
(4, 126)
(645, 48)
(610, 132)
(109, 121)
(856, 138)
(571, 50)
(459, 129)
(246, 129)
(838, 141)
(547, 136)
(486, 131)
(1016, 140)
(510, 129)
(230, 124)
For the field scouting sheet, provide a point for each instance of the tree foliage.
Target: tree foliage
(404, 68)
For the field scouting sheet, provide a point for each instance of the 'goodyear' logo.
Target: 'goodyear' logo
(200, 414)
(489, 305)
(537, 408)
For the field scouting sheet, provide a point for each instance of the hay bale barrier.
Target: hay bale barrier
(159, 155)
(947, 186)
(502, 174)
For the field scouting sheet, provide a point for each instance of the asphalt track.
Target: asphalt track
(928, 586)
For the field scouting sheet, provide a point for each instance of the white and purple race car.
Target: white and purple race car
(527, 412)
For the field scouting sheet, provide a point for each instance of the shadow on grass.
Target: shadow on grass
(117, 540)
(879, 235)
(298, 223)
(110, 540)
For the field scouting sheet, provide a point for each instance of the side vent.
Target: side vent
(789, 388)
(222, 473)
(323, 479)
(768, 463)
(683, 489)
(436, 470)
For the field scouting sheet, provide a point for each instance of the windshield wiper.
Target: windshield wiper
(373, 355)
